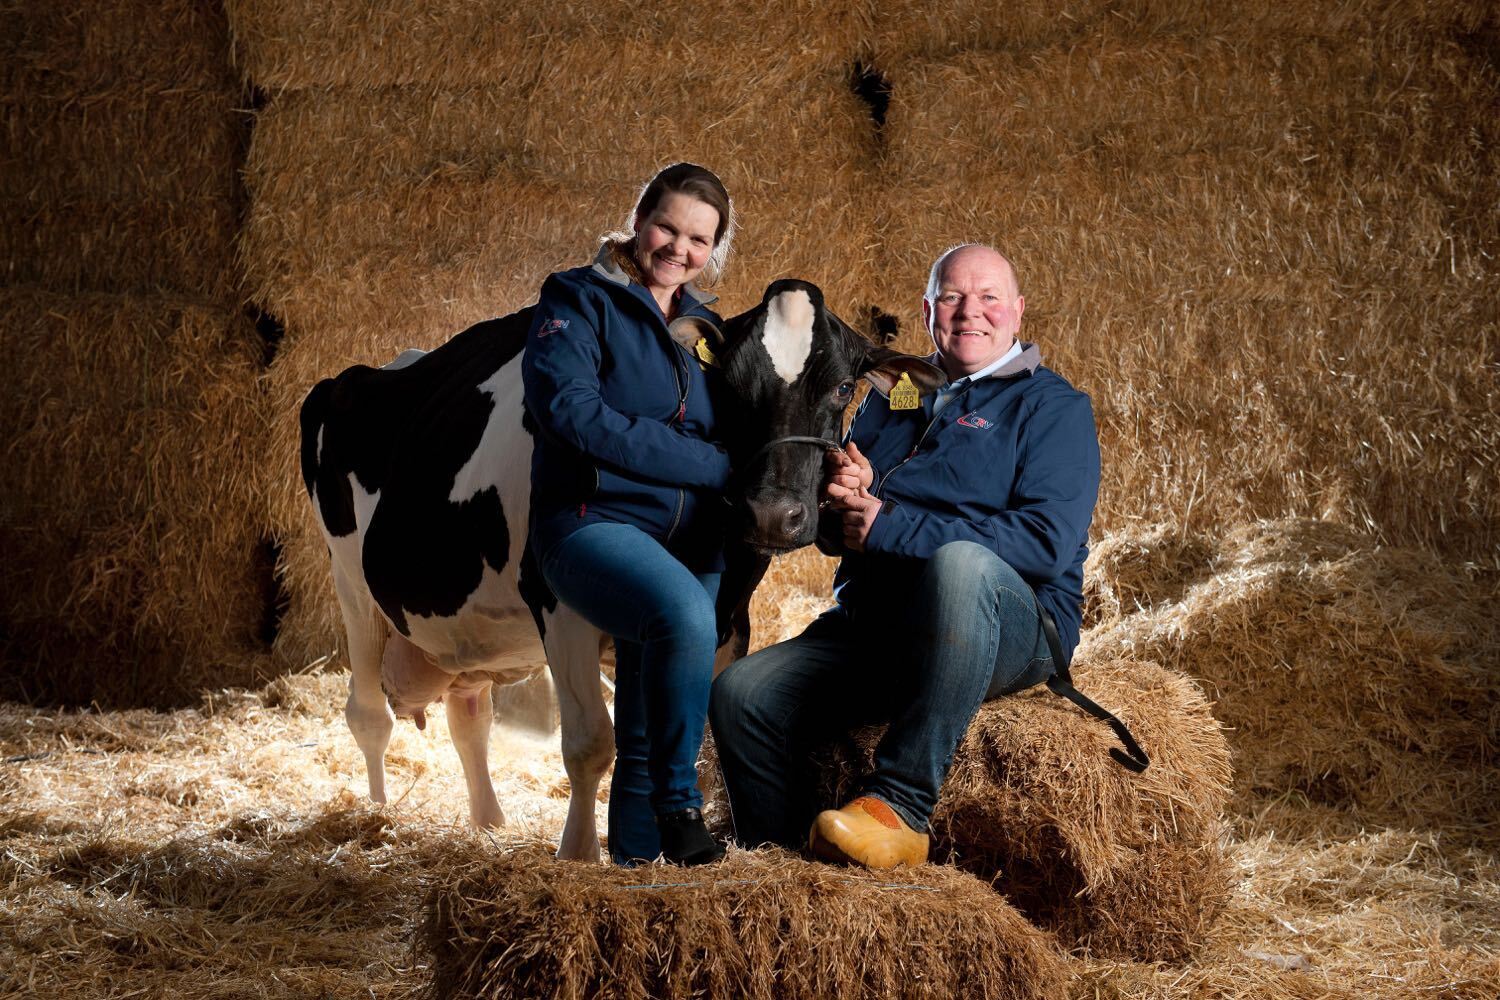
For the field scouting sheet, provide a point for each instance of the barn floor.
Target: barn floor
(227, 851)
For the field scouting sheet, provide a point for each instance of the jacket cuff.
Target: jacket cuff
(888, 525)
(722, 469)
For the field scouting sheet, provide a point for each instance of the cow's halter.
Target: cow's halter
(793, 439)
(789, 439)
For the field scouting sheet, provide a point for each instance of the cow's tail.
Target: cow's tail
(313, 416)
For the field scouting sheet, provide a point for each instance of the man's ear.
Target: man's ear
(688, 330)
(885, 368)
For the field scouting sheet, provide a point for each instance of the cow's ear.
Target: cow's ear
(885, 368)
(688, 330)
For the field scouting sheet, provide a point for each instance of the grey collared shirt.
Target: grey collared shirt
(941, 398)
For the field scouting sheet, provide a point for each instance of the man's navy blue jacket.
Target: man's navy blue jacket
(1011, 462)
(626, 416)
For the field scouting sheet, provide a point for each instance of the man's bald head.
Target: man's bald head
(977, 253)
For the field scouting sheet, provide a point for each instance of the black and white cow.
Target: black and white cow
(419, 474)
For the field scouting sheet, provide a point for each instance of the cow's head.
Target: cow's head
(793, 366)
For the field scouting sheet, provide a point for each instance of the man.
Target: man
(962, 517)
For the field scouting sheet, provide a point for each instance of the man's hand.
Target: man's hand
(858, 511)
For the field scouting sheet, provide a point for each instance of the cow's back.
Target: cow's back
(419, 475)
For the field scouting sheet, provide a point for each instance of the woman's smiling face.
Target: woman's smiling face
(674, 242)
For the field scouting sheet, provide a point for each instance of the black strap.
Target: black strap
(734, 485)
(1132, 757)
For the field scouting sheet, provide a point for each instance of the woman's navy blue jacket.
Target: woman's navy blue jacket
(1011, 462)
(625, 416)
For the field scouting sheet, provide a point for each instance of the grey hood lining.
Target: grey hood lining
(606, 267)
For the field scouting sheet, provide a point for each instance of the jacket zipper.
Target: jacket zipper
(683, 384)
(916, 447)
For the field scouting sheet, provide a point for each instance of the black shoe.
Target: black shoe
(685, 839)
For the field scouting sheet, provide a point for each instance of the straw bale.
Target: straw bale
(346, 188)
(134, 487)
(1363, 915)
(904, 29)
(907, 29)
(796, 589)
(150, 141)
(106, 44)
(1125, 864)
(1137, 568)
(345, 140)
(291, 44)
(1121, 133)
(761, 924)
(121, 245)
(1347, 673)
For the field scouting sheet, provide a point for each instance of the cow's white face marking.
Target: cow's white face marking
(788, 333)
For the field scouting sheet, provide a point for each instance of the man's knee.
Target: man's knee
(968, 564)
(730, 697)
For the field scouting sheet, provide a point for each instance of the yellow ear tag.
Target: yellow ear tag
(704, 354)
(904, 395)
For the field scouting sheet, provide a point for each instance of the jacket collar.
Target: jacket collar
(1028, 361)
(607, 267)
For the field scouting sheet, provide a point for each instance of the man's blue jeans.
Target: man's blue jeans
(966, 630)
(661, 616)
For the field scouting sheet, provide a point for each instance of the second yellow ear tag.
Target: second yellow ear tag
(904, 395)
(704, 354)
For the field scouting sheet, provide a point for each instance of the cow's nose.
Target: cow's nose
(794, 518)
(779, 522)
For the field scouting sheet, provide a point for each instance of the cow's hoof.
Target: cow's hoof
(488, 819)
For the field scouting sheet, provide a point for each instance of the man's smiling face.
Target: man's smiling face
(976, 312)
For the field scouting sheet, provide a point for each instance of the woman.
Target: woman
(625, 486)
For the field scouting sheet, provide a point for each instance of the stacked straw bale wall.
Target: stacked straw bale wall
(396, 199)
(134, 564)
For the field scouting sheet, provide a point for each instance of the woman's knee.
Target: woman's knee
(686, 619)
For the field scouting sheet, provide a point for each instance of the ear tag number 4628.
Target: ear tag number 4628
(904, 395)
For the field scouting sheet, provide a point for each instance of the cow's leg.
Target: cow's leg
(588, 738)
(469, 715)
(369, 716)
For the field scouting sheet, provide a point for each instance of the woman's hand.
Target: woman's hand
(848, 469)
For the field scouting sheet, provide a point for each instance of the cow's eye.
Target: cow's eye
(844, 391)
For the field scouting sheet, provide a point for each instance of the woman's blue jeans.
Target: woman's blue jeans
(661, 616)
(964, 631)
